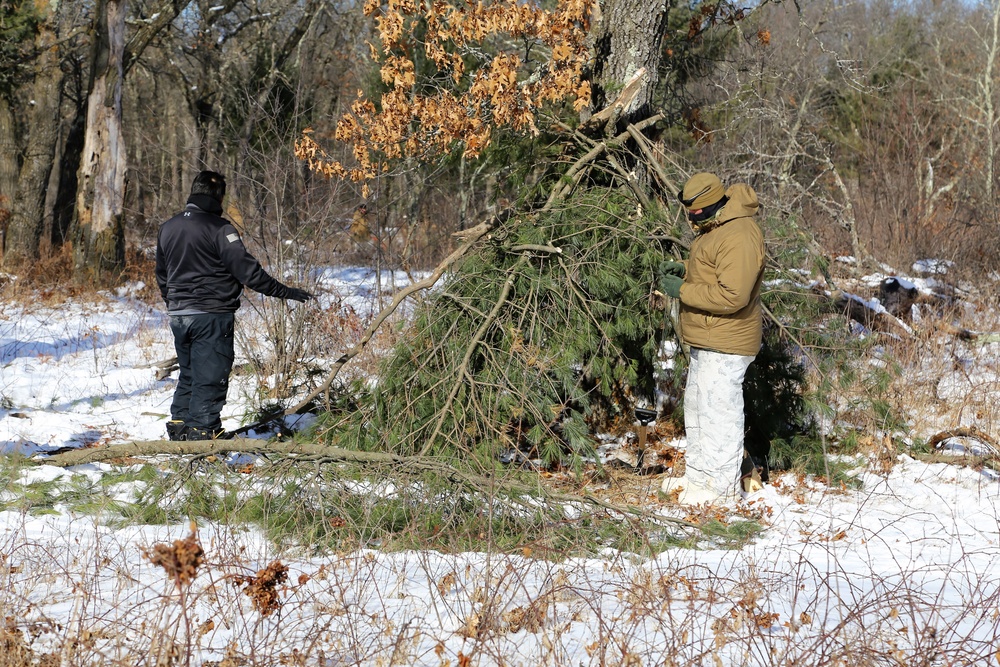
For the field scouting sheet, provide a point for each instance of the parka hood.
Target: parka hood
(742, 203)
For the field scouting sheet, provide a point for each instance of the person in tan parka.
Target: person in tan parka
(720, 319)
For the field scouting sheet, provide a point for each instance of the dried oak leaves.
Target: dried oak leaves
(181, 559)
(478, 81)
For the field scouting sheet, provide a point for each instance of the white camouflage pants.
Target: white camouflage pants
(713, 419)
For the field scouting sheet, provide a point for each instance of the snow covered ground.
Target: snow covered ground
(901, 571)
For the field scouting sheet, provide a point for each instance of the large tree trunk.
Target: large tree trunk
(43, 131)
(627, 36)
(100, 251)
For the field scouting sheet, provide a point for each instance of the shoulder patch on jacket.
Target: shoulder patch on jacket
(233, 238)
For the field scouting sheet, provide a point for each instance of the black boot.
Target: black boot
(177, 430)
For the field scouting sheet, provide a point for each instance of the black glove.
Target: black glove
(671, 285)
(296, 294)
(669, 268)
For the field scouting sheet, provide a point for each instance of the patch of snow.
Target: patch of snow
(932, 266)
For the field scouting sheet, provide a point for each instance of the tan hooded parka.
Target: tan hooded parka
(720, 296)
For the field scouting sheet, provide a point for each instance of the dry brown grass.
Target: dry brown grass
(49, 280)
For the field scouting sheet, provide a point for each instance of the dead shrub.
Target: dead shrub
(262, 589)
(179, 560)
(530, 618)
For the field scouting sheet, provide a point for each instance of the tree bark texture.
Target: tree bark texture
(627, 37)
(8, 168)
(100, 252)
(42, 122)
(8, 154)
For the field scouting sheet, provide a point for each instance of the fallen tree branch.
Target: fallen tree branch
(573, 175)
(164, 367)
(578, 170)
(963, 432)
(967, 461)
(534, 247)
(666, 183)
(470, 236)
(858, 310)
(310, 451)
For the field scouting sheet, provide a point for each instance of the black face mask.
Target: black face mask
(708, 211)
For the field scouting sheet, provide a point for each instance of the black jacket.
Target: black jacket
(201, 263)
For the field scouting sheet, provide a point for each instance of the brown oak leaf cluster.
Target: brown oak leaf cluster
(262, 589)
(479, 81)
(180, 560)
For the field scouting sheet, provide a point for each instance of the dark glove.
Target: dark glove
(669, 268)
(296, 294)
(671, 285)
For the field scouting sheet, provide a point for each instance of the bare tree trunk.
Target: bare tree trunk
(848, 220)
(8, 153)
(100, 252)
(170, 167)
(52, 190)
(28, 212)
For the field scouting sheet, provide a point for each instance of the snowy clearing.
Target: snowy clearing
(900, 571)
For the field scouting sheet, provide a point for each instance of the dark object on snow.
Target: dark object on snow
(754, 473)
(208, 434)
(177, 430)
(897, 297)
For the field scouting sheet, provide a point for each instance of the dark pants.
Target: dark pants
(205, 353)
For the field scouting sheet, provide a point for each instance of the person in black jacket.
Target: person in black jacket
(201, 269)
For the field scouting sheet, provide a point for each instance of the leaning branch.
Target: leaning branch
(471, 237)
(579, 169)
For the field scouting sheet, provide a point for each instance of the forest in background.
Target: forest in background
(872, 126)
